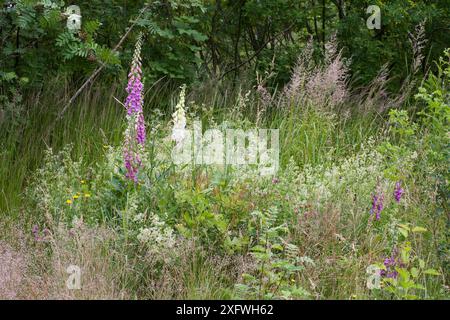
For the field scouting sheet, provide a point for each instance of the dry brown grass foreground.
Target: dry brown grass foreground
(33, 268)
(37, 267)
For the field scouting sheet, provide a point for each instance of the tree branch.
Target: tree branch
(256, 53)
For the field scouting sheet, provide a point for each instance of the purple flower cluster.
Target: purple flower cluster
(131, 157)
(378, 199)
(135, 134)
(36, 233)
(140, 129)
(398, 191)
(390, 271)
(377, 205)
(391, 263)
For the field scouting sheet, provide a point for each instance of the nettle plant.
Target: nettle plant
(278, 264)
(431, 125)
(435, 117)
(404, 273)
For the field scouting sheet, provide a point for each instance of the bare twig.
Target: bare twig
(256, 53)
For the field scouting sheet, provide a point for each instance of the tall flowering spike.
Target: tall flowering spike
(377, 205)
(135, 136)
(134, 101)
(179, 119)
(398, 191)
(131, 155)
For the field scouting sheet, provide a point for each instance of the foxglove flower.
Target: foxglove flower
(179, 120)
(398, 191)
(134, 137)
(131, 156)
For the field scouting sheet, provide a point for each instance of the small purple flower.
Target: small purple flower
(140, 129)
(374, 203)
(377, 205)
(390, 264)
(275, 180)
(35, 231)
(131, 158)
(398, 191)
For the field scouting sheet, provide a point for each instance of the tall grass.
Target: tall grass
(95, 119)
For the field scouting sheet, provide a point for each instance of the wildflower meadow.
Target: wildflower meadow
(204, 150)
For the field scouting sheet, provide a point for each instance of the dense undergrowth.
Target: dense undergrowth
(363, 183)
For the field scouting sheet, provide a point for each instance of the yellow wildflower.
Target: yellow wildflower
(68, 201)
(87, 195)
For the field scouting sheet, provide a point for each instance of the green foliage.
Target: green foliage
(422, 147)
(191, 39)
(370, 49)
(306, 233)
(278, 264)
(436, 115)
(175, 37)
(37, 42)
(410, 272)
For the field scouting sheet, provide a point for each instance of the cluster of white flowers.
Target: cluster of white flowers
(157, 235)
(179, 120)
(356, 175)
(342, 183)
(140, 217)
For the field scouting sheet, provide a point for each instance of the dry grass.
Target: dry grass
(186, 272)
(38, 270)
(12, 265)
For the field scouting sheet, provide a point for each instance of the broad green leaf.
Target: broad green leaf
(258, 248)
(277, 247)
(432, 272)
(419, 229)
(404, 232)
